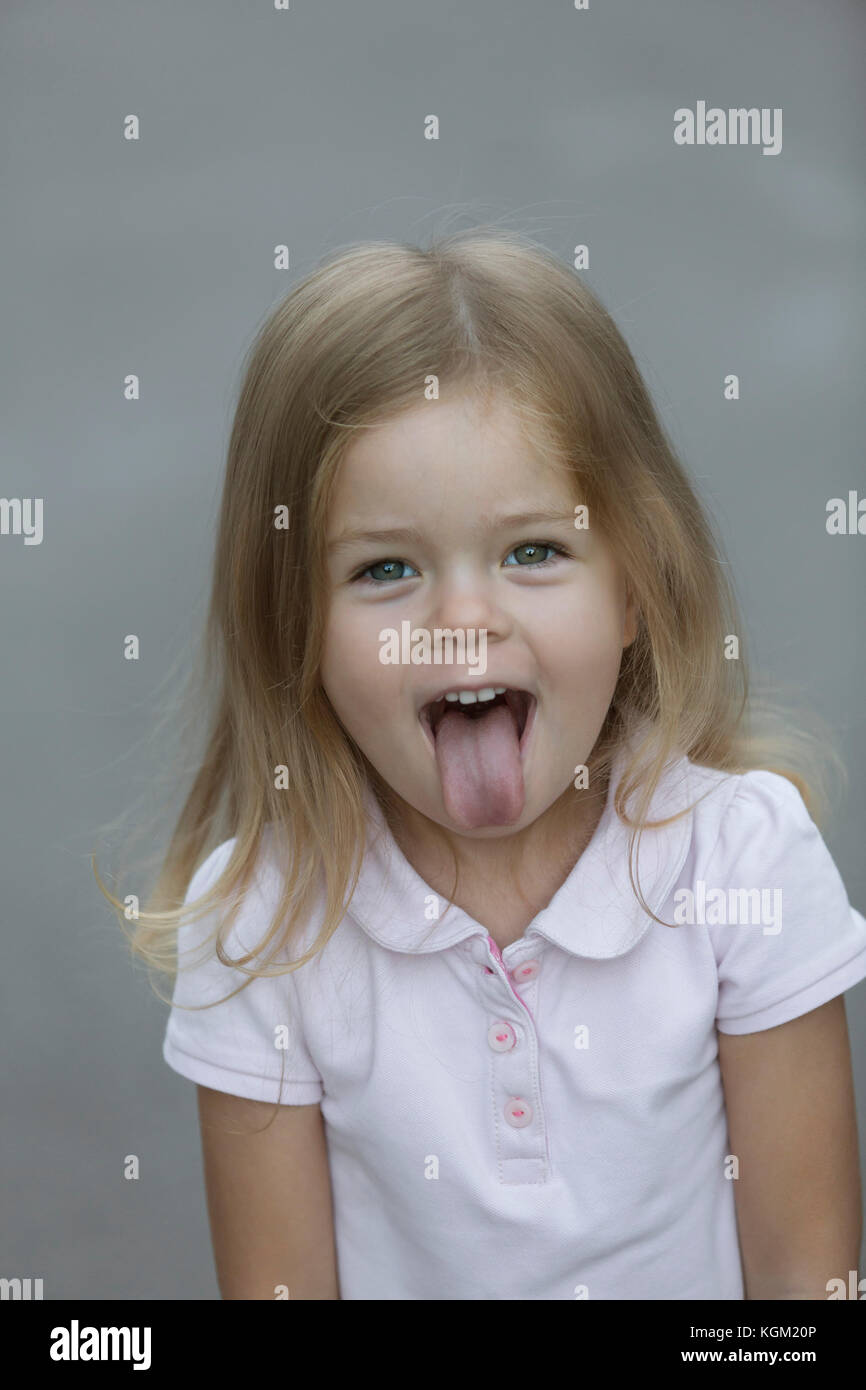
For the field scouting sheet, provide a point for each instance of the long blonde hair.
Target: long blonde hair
(348, 348)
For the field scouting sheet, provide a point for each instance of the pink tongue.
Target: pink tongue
(480, 767)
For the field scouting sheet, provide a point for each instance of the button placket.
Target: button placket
(513, 1062)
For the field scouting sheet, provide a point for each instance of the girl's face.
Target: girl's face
(446, 519)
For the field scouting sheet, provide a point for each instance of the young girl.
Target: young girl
(518, 961)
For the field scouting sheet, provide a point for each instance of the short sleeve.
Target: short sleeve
(251, 1045)
(785, 937)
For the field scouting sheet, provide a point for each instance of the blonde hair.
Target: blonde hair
(348, 348)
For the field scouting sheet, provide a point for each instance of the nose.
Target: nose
(469, 602)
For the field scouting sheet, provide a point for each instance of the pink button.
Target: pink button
(527, 971)
(518, 1112)
(501, 1036)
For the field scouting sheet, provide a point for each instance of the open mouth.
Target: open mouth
(520, 702)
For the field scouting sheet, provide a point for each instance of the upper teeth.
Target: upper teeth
(472, 697)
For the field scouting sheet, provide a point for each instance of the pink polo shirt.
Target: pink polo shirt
(547, 1122)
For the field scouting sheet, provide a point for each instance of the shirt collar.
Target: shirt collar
(594, 913)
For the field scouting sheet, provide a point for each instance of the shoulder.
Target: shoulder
(209, 871)
(753, 831)
(267, 872)
(235, 1025)
(263, 921)
(733, 811)
(257, 896)
(748, 827)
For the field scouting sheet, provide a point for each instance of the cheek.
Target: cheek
(355, 680)
(581, 631)
(341, 652)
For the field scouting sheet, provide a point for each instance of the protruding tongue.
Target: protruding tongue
(480, 767)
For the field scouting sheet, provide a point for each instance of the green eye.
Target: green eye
(389, 566)
(389, 570)
(532, 549)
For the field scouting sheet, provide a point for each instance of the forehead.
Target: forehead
(462, 450)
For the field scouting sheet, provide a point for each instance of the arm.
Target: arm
(269, 1198)
(789, 1096)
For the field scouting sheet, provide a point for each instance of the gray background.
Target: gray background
(155, 257)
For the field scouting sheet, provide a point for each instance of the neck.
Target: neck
(523, 863)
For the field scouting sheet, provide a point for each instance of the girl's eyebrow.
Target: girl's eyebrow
(495, 521)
